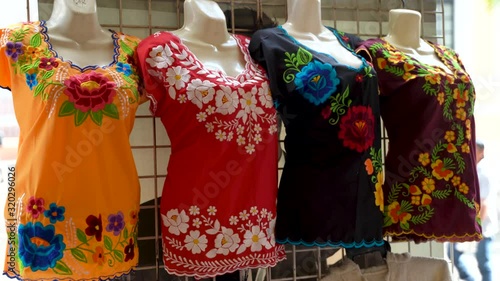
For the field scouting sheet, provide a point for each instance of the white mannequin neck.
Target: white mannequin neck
(404, 34)
(76, 35)
(205, 34)
(304, 25)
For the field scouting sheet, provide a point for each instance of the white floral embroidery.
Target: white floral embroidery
(210, 127)
(230, 136)
(249, 106)
(243, 215)
(255, 239)
(227, 241)
(160, 57)
(175, 221)
(233, 220)
(200, 92)
(240, 140)
(212, 210)
(201, 116)
(220, 135)
(182, 98)
(271, 229)
(240, 130)
(273, 129)
(265, 97)
(210, 110)
(196, 243)
(263, 212)
(250, 148)
(194, 210)
(257, 138)
(254, 211)
(257, 128)
(178, 77)
(197, 223)
(226, 100)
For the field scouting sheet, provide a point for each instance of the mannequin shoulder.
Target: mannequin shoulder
(159, 38)
(266, 34)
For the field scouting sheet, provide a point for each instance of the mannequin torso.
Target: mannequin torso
(205, 34)
(304, 24)
(76, 36)
(404, 34)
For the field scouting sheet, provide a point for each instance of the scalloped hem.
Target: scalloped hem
(404, 236)
(16, 276)
(274, 262)
(373, 243)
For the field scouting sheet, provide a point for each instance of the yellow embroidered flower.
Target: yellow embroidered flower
(465, 148)
(463, 188)
(426, 200)
(433, 78)
(440, 98)
(395, 57)
(394, 212)
(468, 129)
(449, 136)
(415, 200)
(461, 114)
(424, 158)
(455, 180)
(451, 148)
(428, 185)
(32, 52)
(461, 97)
(408, 76)
(379, 192)
(382, 63)
(465, 79)
(440, 171)
(415, 190)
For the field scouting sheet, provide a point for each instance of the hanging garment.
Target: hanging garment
(72, 209)
(218, 205)
(330, 189)
(399, 267)
(431, 187)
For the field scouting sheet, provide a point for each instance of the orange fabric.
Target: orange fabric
(76, 190)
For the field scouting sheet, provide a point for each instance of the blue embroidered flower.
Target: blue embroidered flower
(316, 82)
(31, 80)
(39, 247)
(124, 68)
(55, 213)
(115, 223)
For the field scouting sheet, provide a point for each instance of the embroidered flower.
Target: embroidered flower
(424, 159)
(244, 215)
(240, 140)
(381, 63)
(90, 91)
(201, 116)
(357, 128)
(440, 98)
(433, 78)
(94, 227)
(326, 112)
(415, 190)
(257, 138)
(196, 243)
(226, 100)
(240, 130)
(220, 135)
(461, 97)
(441, 171)
(178, 77)
(200, 92)
(463, 188)
(265, 98)
(455, 180)
(379, 192)
(250, 148)
(316, 82)
(98, 256)
(449, 136)
(31, 80)
(40, 248)
(210, 127)
(129, 250)
(212, 210)
(35, 206)
(359, 78)
(160, 57)
(194, 210)
(14, 50)
(461, 114)
(369, 166)
(182, 98)
(465, 148)
(175, 221)
(48, 63)
(54, 213)
(468, 129)
(115, 223)
(394, 212)
(271, 230)
(197, 223)
(451, 148)
(249, 106)
(227, 241)
(255, 239)
(426, 200)
(233, 220)
(415, 200)
(210, 110)
(429, 185)
(263, 212)
(134, 217)
(395, 57)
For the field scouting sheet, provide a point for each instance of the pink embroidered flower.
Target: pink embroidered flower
(35, 206)
(48, 63)
(357, 128)
(92, 91)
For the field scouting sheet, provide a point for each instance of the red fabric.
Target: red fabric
(218, 205)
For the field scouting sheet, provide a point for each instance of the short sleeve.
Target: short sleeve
(363, 51)
(5, 76)
(151, 73)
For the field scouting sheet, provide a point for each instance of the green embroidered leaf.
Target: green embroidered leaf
(118, 255)
(39, 89)
(79, 255)
(136, 94)
(395, 70)
(125, 233)
(128, 79)
(387, 220)
(406, 207)
(419, 169)
(48, 74)
(448, 164)
(303, 56)
(428, 89)
(67, 109)
(438, 148)
(111, 110)
(62, 268)
(36, 40)
(80, 117)
(404, 226)
(18, 35)
(26, 67)
(108, 243)
(96, 117)
(376, 47)
(393, 194)
(447, 112)
(126, 48)
(460, 162)
(81, 236)
(464, 199)
(423, 218)
(441, 194)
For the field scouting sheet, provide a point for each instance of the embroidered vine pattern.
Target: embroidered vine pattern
(445, 163)
(338, 106)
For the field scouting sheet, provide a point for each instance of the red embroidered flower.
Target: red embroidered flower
(394, 212)
(99, 256)
(48, 63)
(440, 171)
(129, 250)
(94, 227)
(357, 128)
(91, 91)
(345, 38)
(326, 111)
(359, 78)
(35, 206)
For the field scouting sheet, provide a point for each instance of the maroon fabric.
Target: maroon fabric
(431, 189)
